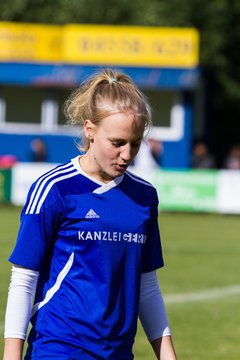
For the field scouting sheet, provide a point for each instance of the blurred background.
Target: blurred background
(184, 56)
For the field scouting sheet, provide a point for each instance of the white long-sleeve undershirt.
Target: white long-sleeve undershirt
(19, 305)
(23, 286)
(152, 312)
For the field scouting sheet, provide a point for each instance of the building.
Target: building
(41, 64)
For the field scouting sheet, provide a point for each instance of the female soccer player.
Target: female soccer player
(89, 245)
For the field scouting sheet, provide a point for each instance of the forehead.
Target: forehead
(122, 125)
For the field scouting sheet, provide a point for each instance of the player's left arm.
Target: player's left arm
(152, 314)
(163, 348)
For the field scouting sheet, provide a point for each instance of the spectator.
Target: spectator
(201, 158)
(38, 150)
(149, 156)
(232, 160)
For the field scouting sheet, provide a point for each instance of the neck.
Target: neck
(90, 167)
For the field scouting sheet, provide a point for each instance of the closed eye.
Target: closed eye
(118, 143)
(121, 142)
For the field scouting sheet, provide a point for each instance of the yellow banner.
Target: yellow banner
(136, 46)
(22, 42)
(100, 45)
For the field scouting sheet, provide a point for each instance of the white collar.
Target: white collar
(103, 186)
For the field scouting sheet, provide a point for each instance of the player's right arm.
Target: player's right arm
(18, 312)
(39, 221)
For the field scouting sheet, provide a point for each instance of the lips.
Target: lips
(121, 166)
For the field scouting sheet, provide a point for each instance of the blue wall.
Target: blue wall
(72, 75)
(60, 148)
(177, 154)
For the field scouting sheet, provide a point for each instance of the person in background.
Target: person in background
(201, 158)
(148, 158)
(89, 243)
(232, 161)
(38, 150)
(156, 149)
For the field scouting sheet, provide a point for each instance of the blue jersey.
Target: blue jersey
(90, 241)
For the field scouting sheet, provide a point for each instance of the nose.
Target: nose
(126, 153)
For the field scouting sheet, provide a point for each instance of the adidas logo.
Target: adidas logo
(91, 215)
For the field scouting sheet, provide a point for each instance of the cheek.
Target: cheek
(112, 152)
(105, 151)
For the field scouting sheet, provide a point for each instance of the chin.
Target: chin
(113, 173)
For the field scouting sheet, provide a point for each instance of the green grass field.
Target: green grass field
(201, 264)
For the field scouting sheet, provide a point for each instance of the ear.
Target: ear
(89, 129)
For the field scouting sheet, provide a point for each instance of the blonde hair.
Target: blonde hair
(106, 93)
